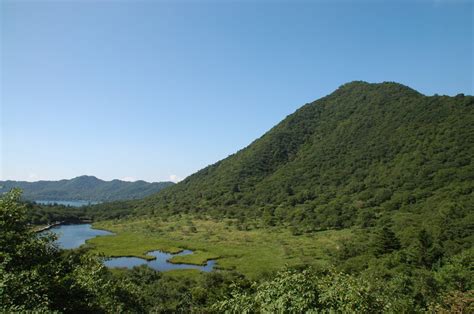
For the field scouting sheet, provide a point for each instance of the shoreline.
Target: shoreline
(47, 227)
(59, 223)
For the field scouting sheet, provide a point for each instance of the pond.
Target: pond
(160, 263)
(73, 236)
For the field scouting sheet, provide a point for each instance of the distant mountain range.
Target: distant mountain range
(87, 188)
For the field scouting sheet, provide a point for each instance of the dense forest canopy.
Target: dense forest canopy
(87, 188)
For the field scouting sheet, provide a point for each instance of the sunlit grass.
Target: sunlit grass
(197, 258)
(131, 244)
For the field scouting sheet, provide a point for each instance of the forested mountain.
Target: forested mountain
(344, 160)
(84, 188)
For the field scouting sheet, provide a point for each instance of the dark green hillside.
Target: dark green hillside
(344, 160)
(84, 188)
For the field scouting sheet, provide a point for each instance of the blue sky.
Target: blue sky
(157, 90)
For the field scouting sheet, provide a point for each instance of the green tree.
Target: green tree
(429, 252)
(386, 242)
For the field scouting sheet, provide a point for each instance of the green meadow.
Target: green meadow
(253, 252)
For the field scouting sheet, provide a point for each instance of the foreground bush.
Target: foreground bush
(294, 291)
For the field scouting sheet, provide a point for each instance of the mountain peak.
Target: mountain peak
(387, 87)
(87, 178)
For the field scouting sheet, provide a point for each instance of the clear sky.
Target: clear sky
(155, 90)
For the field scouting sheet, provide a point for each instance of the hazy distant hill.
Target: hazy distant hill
(343, 160)
(84, 188)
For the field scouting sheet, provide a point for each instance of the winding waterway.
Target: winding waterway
(73, 236)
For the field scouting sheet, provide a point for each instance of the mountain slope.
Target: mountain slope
(345, 159)
(84, 188)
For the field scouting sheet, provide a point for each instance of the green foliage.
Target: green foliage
(387, 241)
(417, 275)
(171, 293)
(458, 272)
(405, 290)
(305, 291)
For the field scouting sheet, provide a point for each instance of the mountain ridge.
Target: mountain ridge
(84, 187)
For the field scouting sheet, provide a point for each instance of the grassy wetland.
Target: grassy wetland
(251, 252)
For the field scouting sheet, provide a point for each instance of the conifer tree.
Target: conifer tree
(386, 242)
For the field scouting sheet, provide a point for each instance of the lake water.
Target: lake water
(160, 263)
(77, 203)
(73, 236)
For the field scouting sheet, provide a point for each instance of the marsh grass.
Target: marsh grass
(250, 252)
